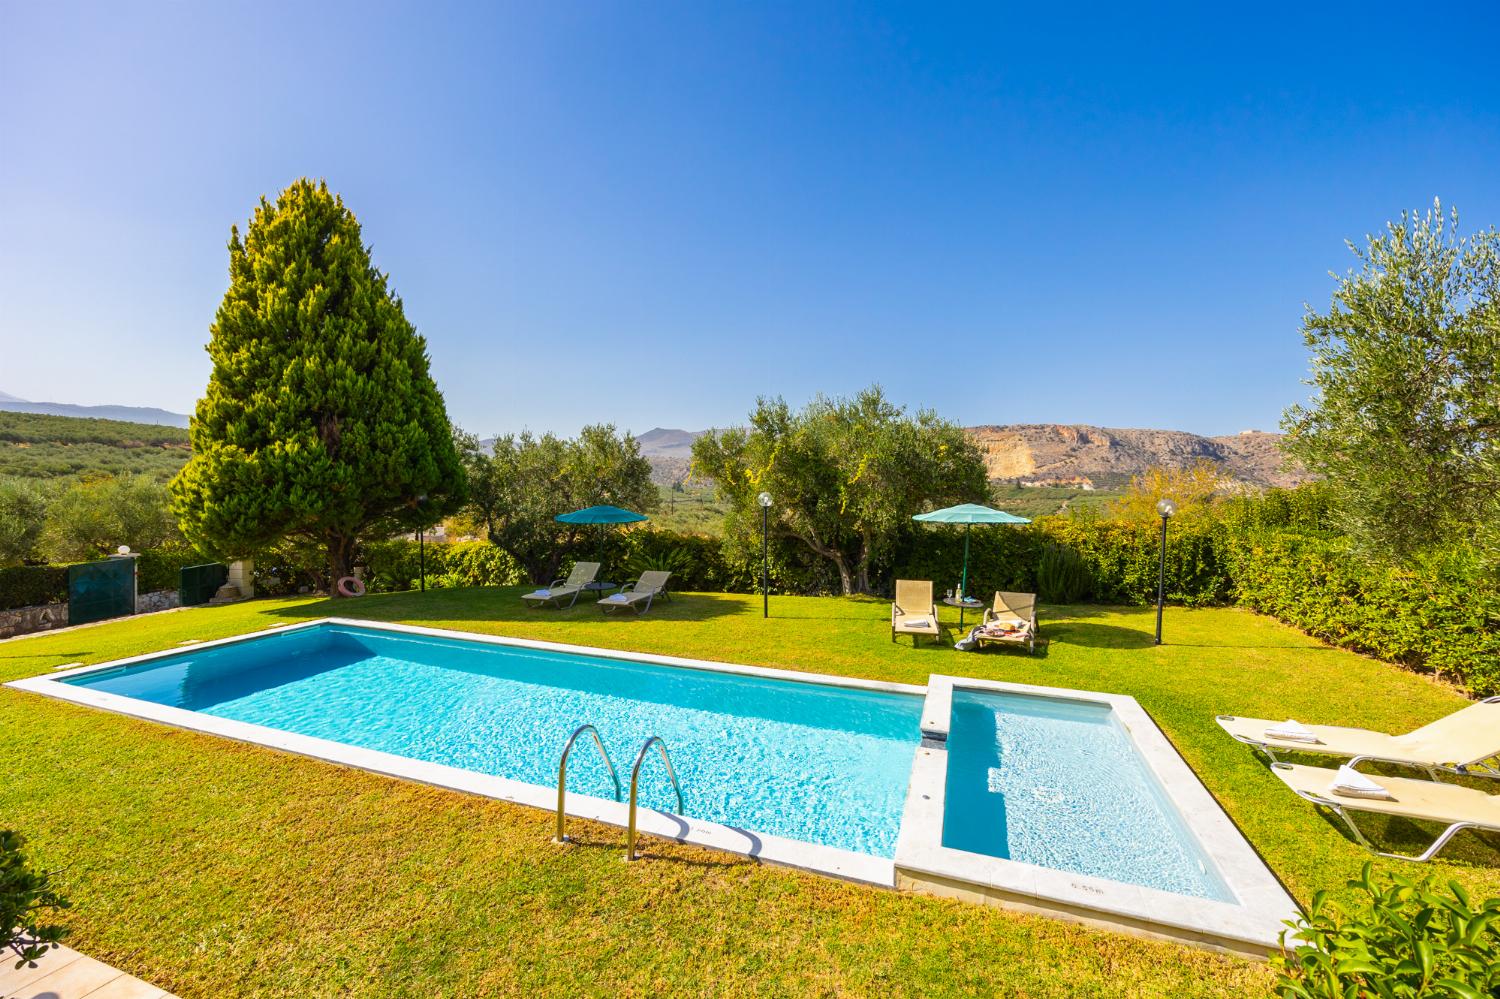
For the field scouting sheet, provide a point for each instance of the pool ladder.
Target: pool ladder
(635, 782)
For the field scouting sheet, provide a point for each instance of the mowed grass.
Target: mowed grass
(218, 869)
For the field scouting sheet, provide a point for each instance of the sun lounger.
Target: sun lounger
(1011, 621)
(1451, 805)
(1465, 742)
(913, 612)
(564, 589)
(638, 593)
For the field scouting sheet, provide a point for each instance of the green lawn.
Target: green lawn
(218, 869)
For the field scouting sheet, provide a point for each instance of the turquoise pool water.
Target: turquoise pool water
(1059, 783)
(807, 761)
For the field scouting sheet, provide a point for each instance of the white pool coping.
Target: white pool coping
(780, 850)
(1251, 925)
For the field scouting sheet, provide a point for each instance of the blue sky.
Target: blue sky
(652, 214)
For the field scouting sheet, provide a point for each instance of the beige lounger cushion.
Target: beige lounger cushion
(1018, 609)
(1465, 737)
(913, 612)
(1332, 739)
(1410, 799)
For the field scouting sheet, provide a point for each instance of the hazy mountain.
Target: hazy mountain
(664, 443)
(670, 452)
(129, 414)
(1046, 453)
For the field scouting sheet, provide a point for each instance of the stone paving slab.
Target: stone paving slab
(66, 974)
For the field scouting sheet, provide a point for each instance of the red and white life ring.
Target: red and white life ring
(351, 587)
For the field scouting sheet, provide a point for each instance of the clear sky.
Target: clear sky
(652, 214)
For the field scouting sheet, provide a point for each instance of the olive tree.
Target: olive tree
(1405, 418)
(523, 482)
(846, 475)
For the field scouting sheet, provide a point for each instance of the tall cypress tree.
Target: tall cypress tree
(321, 419)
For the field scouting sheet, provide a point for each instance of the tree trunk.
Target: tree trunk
(340, 562)
(846, 579)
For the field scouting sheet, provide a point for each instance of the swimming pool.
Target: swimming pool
(1065, 802)
(821, 764)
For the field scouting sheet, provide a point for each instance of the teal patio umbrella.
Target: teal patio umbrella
(968, 514)
(601, 515)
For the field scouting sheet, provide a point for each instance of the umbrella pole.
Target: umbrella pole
(963, 586)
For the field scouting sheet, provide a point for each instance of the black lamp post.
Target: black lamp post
(764, 499)
(1166, 508)
(422, 545)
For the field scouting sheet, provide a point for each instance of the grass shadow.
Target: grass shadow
(1099, 636)
(502, 605)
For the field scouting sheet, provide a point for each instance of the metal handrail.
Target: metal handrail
(635, 780)
(562, 776)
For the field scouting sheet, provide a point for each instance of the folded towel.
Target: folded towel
(1292, 731)
(917, 622)
(540, 593)
(1350, 783)
(615, 598)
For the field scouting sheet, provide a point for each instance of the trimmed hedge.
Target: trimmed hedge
(31, 585)
(1441, 615)
(160, 568)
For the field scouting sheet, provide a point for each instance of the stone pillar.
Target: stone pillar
(242, 577)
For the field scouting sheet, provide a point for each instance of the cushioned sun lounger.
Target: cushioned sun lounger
(638, 593)
(1450, 805)
(1018, 612)
(1467, 741)
(564, 589)
(913, 612)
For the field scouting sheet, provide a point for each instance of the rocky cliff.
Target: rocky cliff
(1106, 457)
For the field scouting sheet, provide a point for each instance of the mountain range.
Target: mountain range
(130, 414)
(1036, 454)
(1042, 454)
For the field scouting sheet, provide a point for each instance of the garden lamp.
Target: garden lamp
(764, 499)
(1166, 508)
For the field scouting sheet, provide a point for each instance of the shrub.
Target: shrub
(1061, 576)
(31, 585)
(26, 898)
(397, 564)
(697, 563)
(289, 566)
(1408, 938)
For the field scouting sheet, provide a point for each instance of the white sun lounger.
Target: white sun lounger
(1450, 805)
(1465, 742)
(639, 593)
(564, 589)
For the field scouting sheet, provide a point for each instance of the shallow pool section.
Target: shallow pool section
(806, 761)
(1074, 804)
(1058, 783)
